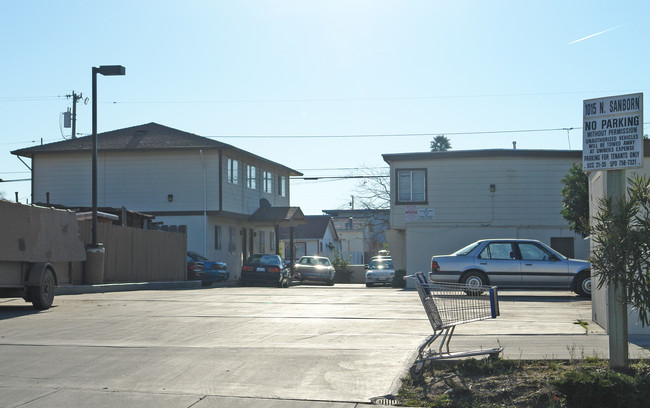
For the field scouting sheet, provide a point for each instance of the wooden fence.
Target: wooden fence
(137, 255)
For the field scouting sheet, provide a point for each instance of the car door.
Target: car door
(499, 260)
(541, 268)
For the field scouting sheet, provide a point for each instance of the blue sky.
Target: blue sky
(235, 69)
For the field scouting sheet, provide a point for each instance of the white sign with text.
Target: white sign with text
(612, 133)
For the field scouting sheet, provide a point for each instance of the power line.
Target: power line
(486, 132)
(379, 98)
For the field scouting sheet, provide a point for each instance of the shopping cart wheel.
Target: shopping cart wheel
(417, 368)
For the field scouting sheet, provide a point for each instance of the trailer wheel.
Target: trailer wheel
(42, 295)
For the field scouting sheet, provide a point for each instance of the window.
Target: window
(233, 171)
(262, 248)
(217, 237)
(268, 182)
(411, 186)
(532, 252)
(232, 240)
(272, 241)
(251, 177)
(498, 250)
(282, 186)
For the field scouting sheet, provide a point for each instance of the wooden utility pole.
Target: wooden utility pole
(75, 98)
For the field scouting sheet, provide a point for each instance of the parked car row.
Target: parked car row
(506, 263)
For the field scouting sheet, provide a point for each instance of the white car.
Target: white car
(380, 271)
(512, 263)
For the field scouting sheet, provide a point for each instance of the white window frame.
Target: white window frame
(233, 171)
(268, 181)
(251, 177)
(282, 186)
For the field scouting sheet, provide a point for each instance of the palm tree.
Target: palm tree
(440, 143)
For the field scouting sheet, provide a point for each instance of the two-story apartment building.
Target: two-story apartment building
(442, 201)
(181, 178)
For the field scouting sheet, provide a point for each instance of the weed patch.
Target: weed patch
(527, 383)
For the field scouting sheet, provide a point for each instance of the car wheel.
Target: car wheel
(42, 295)
(370, 285)
(330, 282)
(474, 280)
(582, 284)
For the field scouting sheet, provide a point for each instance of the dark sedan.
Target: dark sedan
(265, 269)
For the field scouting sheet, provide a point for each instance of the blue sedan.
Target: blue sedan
(205, 270)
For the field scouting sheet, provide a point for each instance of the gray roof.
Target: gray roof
(314, 228)
(278, 215)
(150, 136)
(458, 154)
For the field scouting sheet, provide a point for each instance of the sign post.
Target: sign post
(612, 140)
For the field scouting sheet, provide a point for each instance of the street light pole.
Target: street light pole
(107, 70)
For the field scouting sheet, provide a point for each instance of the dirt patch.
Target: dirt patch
(519, 383)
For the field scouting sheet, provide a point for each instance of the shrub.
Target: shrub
(343, 272)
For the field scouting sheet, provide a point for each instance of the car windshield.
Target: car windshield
(322, 261)
(386, 264)
(464, 251)
(196, 257)
(264, 259)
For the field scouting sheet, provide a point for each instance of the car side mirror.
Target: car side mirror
(365, 266)
(554, 258)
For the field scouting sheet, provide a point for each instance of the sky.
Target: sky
(323, 87)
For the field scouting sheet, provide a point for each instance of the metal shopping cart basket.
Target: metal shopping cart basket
(447, 305)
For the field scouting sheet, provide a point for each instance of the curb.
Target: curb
(133, 286)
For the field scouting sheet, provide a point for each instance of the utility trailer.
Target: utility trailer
(38, 246)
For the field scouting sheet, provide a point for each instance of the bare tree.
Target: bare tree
(373, 192)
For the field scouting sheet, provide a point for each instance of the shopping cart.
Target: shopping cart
(450, 304)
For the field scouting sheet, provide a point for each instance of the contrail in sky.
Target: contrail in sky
(593, 35)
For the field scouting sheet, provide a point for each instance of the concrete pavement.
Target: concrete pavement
(168, 345)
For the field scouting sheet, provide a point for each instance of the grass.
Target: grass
(491, 382)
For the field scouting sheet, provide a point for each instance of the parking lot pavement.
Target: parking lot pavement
(261, 347)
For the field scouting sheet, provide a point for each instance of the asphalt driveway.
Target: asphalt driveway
(233, 346)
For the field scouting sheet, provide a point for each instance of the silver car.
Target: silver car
(315, 269)
(512, 263)
(380, 270)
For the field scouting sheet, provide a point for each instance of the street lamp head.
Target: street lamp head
(109, 70)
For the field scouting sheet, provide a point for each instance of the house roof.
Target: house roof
(150, 136)
(278, 215)
(314, 228)
(484, 153)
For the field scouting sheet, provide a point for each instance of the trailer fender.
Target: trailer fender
(36, 274)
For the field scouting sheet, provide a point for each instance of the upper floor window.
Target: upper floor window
(233, 171)
(411, 186)
(282, 186)
(251, 177)
(268, 182)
